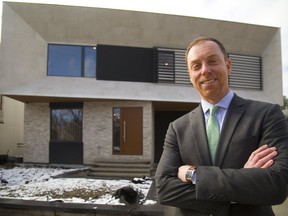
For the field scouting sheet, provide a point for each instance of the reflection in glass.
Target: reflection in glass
(64, 60)
(71, 60)
(116, 130)
(66, 124)
(90, 62)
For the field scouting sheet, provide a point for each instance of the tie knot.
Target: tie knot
(213, 110)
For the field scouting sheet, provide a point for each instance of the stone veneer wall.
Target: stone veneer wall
(97, 132)
(36, 133)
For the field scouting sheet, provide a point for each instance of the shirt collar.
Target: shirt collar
(223, 103)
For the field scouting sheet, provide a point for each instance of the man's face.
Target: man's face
(209, 71)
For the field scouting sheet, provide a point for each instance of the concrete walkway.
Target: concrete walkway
(281, 210)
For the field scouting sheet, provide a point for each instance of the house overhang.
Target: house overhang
(53, 89)
(135, 28)
(67, 89)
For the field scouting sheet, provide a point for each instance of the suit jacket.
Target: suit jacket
(225, 188)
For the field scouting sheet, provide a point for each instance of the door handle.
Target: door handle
(124, 131)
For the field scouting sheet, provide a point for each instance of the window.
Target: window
(90, 62)
(72, 61)
(66, 122)
(116, 130)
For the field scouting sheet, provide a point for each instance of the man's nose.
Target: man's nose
(205, 69)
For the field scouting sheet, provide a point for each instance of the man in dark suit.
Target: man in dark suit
(243, 169)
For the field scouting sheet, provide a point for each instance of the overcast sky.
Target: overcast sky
(262, 12)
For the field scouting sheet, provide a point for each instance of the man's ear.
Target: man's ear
(229, 66)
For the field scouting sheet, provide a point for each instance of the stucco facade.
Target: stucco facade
(12, 128)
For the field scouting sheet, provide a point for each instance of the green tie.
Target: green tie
(213, 131)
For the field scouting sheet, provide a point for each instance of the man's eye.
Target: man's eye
(213, 61)
(195, 67)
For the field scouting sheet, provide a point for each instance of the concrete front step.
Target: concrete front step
(120, 169)
(117, 174)
(128, 165)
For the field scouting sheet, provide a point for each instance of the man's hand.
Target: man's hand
(261, 158)
(182, 171)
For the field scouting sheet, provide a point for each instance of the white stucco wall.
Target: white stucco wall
(23, 52)
(11, 129)
(272, 70)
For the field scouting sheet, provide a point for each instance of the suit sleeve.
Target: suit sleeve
(252, 186)
(170, 190)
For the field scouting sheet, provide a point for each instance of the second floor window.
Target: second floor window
(72, 61)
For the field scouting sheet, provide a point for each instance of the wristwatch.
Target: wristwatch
(190, 176)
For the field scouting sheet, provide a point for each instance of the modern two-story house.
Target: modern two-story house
(103, 84)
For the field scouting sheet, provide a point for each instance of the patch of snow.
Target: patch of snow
(38, 184)
(23, 175)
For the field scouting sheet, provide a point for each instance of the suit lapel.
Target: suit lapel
(233, 115)
(200, 139)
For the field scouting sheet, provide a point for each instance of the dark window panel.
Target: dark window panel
(121, 63)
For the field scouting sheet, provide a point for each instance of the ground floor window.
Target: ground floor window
(66, 122)
(116, 130)
(66, 129)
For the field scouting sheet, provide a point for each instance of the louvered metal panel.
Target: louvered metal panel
(246, 72)
(165, 66)
(172, 71)
(181, 72)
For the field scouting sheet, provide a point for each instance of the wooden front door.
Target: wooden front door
(130, 131)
